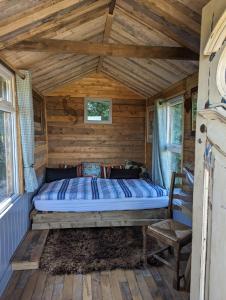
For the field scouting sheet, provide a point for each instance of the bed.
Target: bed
(93, 202)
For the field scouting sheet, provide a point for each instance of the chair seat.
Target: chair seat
(171, 229)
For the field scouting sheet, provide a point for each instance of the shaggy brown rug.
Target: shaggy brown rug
(93, 249)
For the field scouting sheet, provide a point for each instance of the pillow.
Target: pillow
(106, 170)
(91, 169)
(53, 174)
(130, 164)
(124, 173)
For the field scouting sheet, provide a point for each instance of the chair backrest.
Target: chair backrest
(179, 189)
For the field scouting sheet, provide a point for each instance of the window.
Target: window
(98, 111)
(8, 158)
(175, 111)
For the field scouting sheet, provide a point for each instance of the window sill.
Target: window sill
(6, 204)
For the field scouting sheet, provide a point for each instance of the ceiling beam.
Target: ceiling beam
(107, 31)
(105, 49)
(112, 7)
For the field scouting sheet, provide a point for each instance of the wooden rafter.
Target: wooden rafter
(107, 30)
(76, 77)
(131, 76)
(61, 75)
(49, 24)
(126, 83)
(152, 20)
(110, 27)
(177, 17)
(186, 10)
(105, 49)
(37, 16)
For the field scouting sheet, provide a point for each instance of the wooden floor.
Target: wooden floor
(154, 283)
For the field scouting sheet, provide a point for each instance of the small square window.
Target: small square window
(98, 111)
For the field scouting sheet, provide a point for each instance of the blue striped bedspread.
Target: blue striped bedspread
(86, 188)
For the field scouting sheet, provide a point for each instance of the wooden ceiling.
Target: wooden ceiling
(96, 85)
(164, 23)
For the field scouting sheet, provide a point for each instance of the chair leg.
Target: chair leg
(144, 245)
(176, 280)
(170, 250)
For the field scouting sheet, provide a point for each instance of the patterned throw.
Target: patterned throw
(86, 188)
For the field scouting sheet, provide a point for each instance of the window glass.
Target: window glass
(175, 134)
(176, 123)
(8, 145)
(98, 111)
(6, 156)
(3, 89)
(175, 161)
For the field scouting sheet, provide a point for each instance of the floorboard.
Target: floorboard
(28, 254)
(152, 283)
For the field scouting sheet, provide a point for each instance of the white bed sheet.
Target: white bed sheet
(101, 204)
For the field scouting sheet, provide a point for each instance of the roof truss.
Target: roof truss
(106, 49)
(144, 44)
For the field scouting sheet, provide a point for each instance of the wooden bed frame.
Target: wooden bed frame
(60, 220)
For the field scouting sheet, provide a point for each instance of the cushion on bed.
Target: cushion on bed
(130, 164)
(90, 169)
(124, 173)
(53, 174)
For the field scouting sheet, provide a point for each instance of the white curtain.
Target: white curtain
(160, 162)
(26, 116)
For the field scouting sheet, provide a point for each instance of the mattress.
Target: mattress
(101, 204)
(97, 194)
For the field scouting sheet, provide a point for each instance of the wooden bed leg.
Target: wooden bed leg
(144, 228)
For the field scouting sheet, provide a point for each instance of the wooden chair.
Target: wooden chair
(170, 232)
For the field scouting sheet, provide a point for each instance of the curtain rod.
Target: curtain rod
(171, 98)
(9, 66)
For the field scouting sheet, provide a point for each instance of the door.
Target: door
(209, 207)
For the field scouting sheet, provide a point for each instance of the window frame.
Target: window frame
(93, 121)
(9, 106)
(172, 147)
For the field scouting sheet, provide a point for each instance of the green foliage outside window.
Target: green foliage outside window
(176, 128)
(98, 109)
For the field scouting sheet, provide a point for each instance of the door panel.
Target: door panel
(217, 261)
(208, 277)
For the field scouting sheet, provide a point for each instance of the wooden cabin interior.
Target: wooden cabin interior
(103, 103)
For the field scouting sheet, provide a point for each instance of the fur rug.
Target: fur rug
(92, 249)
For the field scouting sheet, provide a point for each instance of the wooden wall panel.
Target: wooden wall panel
(71, 141)
(180, 88)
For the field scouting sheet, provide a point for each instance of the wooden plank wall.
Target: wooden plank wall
(180, 88)
(41, 149)
(71, 141)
